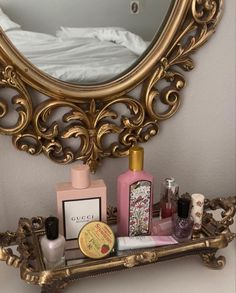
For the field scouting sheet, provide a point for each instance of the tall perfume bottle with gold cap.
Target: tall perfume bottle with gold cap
(135, 197)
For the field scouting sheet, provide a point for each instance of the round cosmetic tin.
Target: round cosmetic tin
(96, 240)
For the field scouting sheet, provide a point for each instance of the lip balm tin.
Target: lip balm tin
(96, 240)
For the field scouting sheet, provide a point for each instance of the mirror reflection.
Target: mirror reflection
(84, 42)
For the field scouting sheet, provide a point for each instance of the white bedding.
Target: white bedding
(74, 57)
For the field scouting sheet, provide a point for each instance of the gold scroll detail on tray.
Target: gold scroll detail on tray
(90, 121)
(214, 235)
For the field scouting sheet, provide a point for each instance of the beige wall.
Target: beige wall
(197, 146)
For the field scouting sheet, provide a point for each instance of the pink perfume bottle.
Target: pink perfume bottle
(80, 201)
(135, 197)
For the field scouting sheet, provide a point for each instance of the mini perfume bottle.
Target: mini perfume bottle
(80, 201)
(183, 223)
(134, 197)
(52, 244)
(169, 196)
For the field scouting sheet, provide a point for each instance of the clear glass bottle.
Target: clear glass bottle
(52, 244)
(169, 197)
(182, 223)
(135, 197)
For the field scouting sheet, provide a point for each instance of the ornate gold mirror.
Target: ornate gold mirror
(69, 122)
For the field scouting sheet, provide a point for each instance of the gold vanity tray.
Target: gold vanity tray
(215, 234)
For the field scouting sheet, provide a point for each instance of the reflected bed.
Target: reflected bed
(86, 55)
(77, 55)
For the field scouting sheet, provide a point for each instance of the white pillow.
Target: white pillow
(7, 24)
(117, 35)
(84, 32)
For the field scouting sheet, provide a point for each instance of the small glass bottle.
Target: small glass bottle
(169, 196)
(52, 244)
(183, 223)
(135, 197)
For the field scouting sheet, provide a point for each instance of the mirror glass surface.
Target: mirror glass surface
(85, 41)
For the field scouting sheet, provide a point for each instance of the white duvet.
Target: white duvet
(80, 55)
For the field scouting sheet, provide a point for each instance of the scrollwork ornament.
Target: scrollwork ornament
(206, 10)
(90, 126)
(213, 262)
(10, 79)
(28, 142)
(138, 259)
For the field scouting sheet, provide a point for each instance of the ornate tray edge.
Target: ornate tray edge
(218, 235)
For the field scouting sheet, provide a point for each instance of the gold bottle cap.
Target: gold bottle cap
(96, 240)
(136, 154)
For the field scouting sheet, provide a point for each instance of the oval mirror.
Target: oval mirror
(69, 122)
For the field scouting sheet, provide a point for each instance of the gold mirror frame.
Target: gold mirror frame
(92, 115)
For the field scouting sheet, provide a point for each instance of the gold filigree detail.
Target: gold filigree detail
(89, 125)
(28, 142)
(10, 259)
(228, 205)
(8, 238)
(139, 259)
(213, 262)
(10, 79)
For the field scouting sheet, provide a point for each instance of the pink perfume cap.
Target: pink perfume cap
(80, 176)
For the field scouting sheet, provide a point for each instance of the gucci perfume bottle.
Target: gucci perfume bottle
(182, 223)
(80, 201)
(52, 244)
(169, 196)
(135, 197)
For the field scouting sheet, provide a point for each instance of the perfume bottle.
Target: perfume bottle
(183, 223)
(135, 197)
(169, 196)
(80, 201)
(52, 244)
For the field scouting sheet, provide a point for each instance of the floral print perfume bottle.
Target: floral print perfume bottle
(135, 197)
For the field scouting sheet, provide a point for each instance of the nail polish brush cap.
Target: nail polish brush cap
(80, 176)
(183, 207)
(51, 228)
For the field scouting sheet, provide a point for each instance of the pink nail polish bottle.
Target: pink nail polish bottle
(134, 197)
(80, 201)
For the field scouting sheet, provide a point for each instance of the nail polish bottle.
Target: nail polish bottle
(52, 244)
(169, 196)
(183, 223)
(134, 197)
